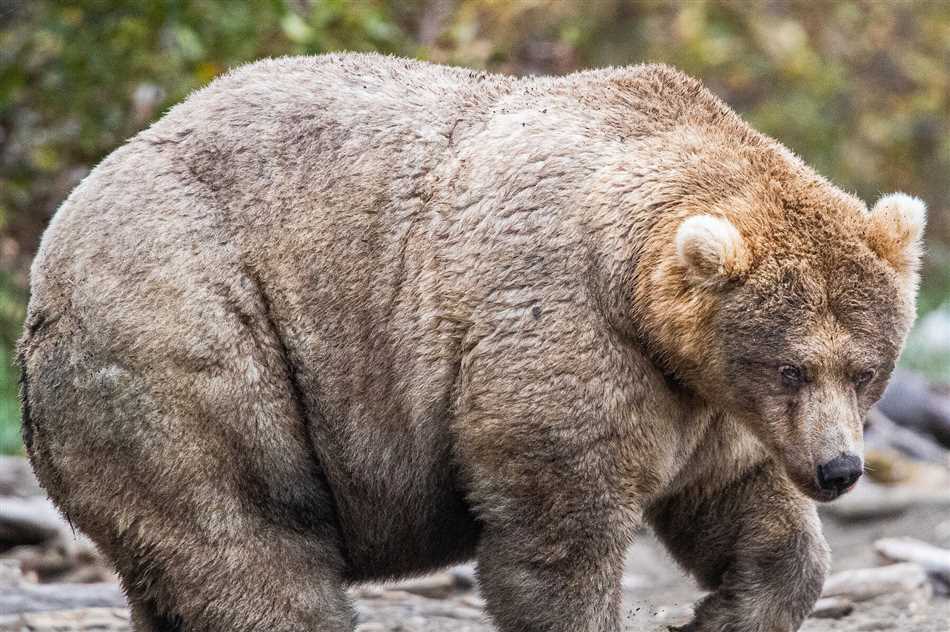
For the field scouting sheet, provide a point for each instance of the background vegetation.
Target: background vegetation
(861, 89)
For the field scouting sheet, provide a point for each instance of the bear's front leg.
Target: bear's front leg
(551, 553)
(534, 582)
(756, 543)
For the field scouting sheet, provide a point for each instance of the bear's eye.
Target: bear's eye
(791, 375)
(864, 377)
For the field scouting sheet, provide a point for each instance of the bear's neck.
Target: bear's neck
(640, 294)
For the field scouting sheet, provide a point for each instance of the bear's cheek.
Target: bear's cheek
(774, 422)
(783, 423)
(776, 407)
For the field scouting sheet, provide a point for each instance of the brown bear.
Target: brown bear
(347, 318)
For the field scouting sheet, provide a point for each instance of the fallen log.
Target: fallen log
(31, 520)
(933, 559)
(34, 521)
(832, 608)
(18, 596)
(26, 597)
(56, 564)
(867, 583)
(98, 619)
(454, 581)
(873, 502)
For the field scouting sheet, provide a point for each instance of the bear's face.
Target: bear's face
(801, 338)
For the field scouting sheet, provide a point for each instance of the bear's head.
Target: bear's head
(789, 314)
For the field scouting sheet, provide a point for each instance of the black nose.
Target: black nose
(840, 473)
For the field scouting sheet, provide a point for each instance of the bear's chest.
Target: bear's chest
(721, 451)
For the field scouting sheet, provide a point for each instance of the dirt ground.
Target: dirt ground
(657, 594)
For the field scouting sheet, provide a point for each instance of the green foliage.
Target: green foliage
(78, 78)
(859, 88)
(9, 405)
(12, 312)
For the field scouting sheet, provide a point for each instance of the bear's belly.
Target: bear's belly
(400, 507)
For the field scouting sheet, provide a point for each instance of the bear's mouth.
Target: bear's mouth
(826, 496)
(813, 490)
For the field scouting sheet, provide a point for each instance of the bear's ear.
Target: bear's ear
(894, 231)
(711, 250)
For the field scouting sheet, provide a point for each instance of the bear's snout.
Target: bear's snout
(838, 475)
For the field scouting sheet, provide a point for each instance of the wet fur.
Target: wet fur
(349, 317)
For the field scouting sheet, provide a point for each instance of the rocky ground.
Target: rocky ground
(51, 579)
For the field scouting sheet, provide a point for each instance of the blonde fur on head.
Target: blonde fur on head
(711, 249)
(894, 231)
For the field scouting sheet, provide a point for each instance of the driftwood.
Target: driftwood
(872, 502)
(28, 597)
(35, 521)
(832, 608)
(85, 620)
(435, 586)
(31, 520)
(56, 564)
(867, 583)
(933, 559)
(912, 402)
(18, 596)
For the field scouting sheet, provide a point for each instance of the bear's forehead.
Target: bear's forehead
(813, 305)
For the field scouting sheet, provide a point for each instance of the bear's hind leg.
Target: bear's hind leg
(244, 585)
(757, 544)
(200, 485)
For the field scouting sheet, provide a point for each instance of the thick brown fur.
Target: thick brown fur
(345, 318)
